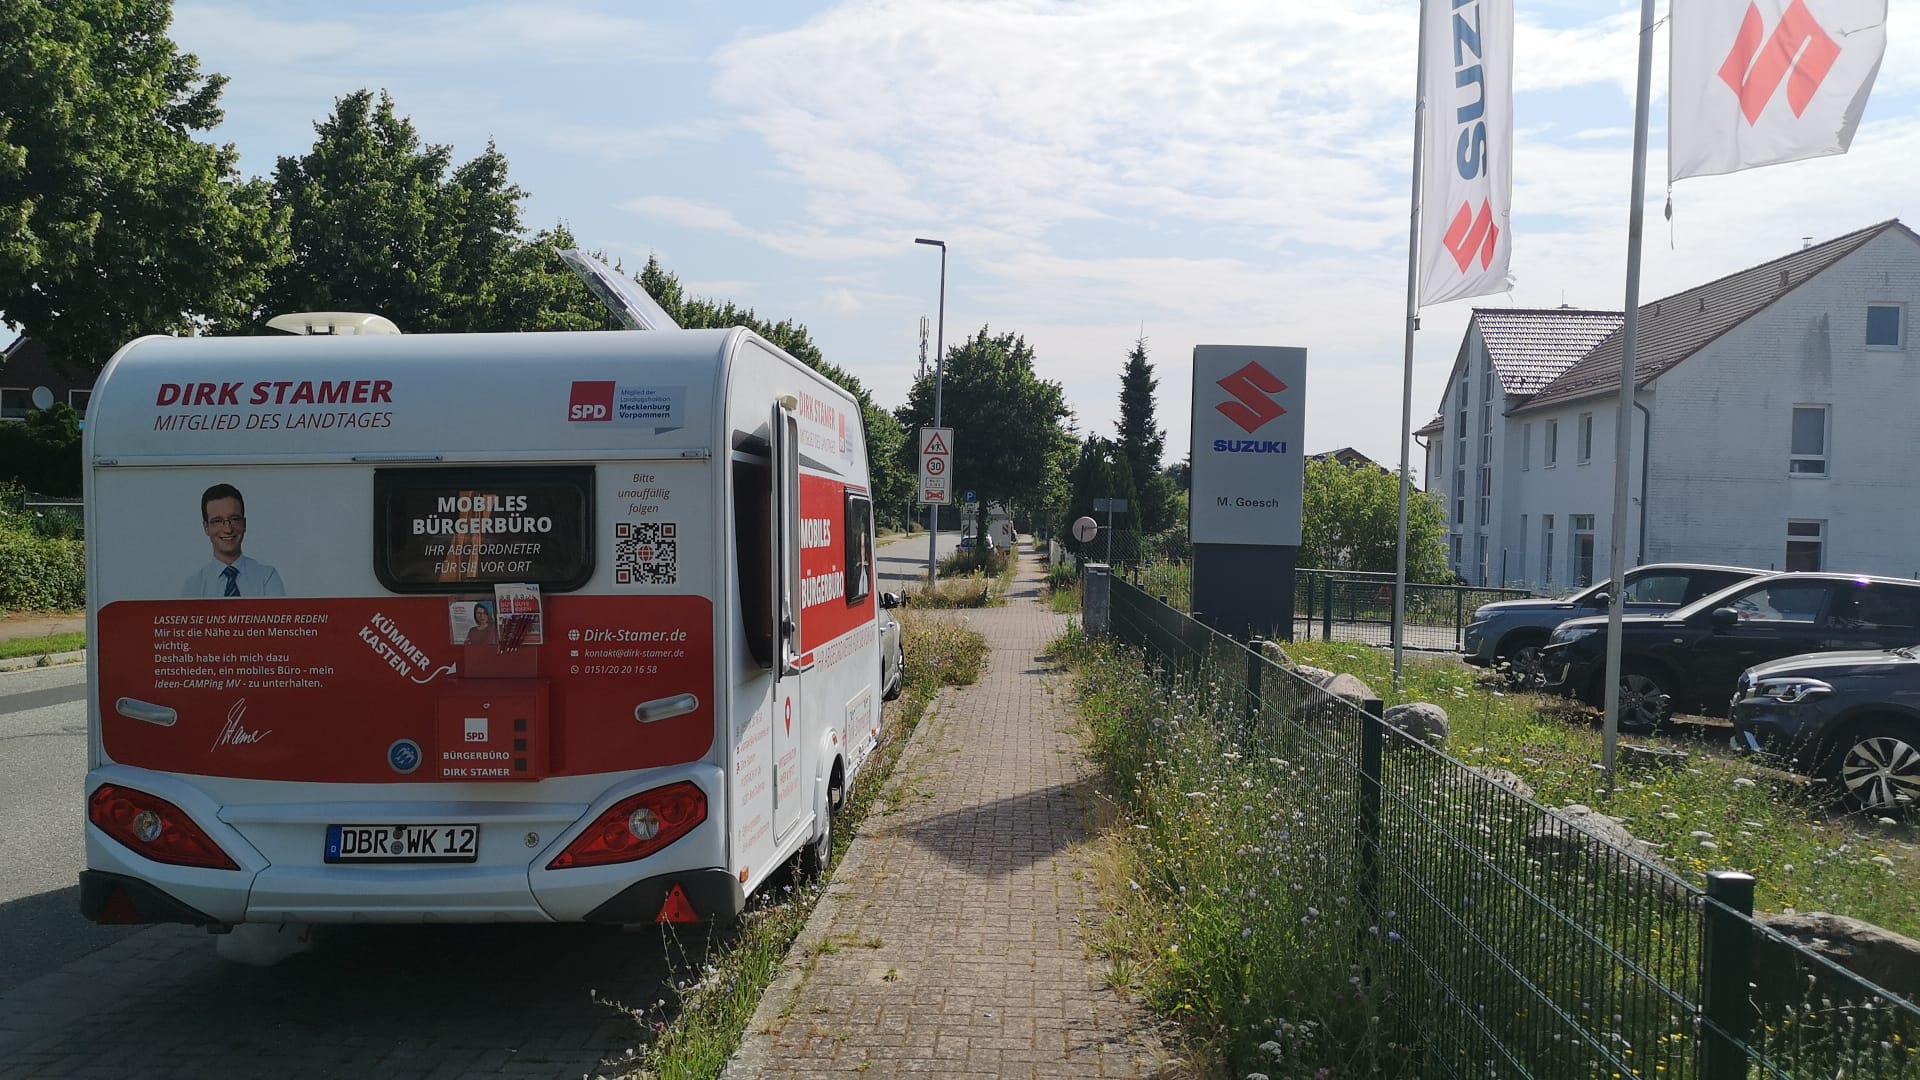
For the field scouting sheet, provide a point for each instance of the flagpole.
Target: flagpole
(1413, 323)
(1623, 422)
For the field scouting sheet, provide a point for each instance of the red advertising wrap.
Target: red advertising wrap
(372, 690)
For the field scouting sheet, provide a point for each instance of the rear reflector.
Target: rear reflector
(636, 827)
(119, 910)
(154, 828)
(677, 909)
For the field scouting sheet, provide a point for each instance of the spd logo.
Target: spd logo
(591, 401)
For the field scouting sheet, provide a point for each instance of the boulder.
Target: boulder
(1634, 756)
(1567, 835)
(1318, 676)
(1273, 651)
(1879, 956)
(1423, 721)
(1346, 688)
(1506, 779)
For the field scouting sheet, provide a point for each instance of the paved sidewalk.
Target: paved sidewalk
(954, 921)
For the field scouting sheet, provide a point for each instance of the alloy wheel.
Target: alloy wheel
(1882, 772)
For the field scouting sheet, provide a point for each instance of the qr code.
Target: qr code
(646, 553)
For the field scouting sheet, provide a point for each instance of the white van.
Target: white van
(505, 627)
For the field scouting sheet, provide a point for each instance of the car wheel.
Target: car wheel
(817, 857)
(1521, 660)
(1644, 701)
(899, 681)
(1877, 765)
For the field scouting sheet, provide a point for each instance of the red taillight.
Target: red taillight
(636, 827)
(155, 828)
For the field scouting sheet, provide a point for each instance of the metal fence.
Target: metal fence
(1349, 605)
(1495, 937)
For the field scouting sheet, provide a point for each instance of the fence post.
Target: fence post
(1256, 660)
(1372, 743)
(1326, 613)
(1096, 597)
(1459, 615)
(1725, 970)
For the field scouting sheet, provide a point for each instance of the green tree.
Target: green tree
(1143, 441)
(1005, 418)
(380, 222)
(1352, 520)
(1103, 472)
(892, 479)
(114, 220)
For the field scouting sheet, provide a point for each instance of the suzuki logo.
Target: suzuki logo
(1251, 406)
(1469, 233)
(1798, 46)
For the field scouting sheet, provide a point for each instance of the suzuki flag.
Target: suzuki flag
(1759, 82)
(1467, 156)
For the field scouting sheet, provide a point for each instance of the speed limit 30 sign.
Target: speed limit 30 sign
(936, 461)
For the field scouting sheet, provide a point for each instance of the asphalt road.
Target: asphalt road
(904, 562)
(404, 1002)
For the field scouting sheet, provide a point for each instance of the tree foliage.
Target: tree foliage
(892, 481)
(1143, 441)
(114, 220)
(1103, 472)
(1005, 419)
(1352, 522)
(379, 221)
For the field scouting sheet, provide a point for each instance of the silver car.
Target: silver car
(893, 653)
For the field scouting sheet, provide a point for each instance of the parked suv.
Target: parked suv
(1512, 632)
(1850, 717)
(1692, 658)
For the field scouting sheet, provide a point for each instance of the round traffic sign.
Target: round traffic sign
(936, 466)
(1085, 529)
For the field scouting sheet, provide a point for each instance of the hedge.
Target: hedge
(41, 575)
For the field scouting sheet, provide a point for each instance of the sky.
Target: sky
(1218, 172)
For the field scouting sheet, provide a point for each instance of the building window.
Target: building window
(1459, 496)
(1486, 495)
(1551, 448)
(1480, 544)
(1809, 450)
(1526, 447)
(1884, 326)
(1520, 552)
(1582, 549)
(1487, 382)
(79, 400)
(15, 401)
(1586, 437)
(1454, 542)
(1486, 448)
(1546, 549)
(1806, 545)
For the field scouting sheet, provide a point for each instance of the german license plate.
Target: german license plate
(402, 843)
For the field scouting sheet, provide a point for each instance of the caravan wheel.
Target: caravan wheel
(816, 859)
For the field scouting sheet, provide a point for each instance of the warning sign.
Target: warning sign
(936, 462)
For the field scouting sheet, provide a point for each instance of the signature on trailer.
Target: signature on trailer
(235, 732)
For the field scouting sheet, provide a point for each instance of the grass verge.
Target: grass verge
(969, 580)
(42, 646)
(1713, 811)
(719, 984)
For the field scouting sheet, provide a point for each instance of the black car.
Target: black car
(1510, 633)
(1691, 659)
(1851, 717)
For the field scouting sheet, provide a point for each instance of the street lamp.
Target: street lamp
(939, 387)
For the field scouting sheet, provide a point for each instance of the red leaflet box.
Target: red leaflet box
(493, 729)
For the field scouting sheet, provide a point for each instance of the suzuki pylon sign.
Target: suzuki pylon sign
(1249, 415)
(936, 466)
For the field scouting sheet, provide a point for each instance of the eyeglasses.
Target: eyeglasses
(219, 522)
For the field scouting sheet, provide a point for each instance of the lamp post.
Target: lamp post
(939, 387)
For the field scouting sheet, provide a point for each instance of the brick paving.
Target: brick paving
(953, 926)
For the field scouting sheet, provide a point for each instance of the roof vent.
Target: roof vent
(332, 323)
(1703, 303)
(1786, 277)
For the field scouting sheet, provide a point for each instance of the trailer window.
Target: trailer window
(450, 530)
(753, 547)
(859, 534)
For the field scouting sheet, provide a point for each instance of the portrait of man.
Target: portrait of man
(223, 516)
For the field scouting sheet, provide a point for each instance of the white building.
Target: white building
(1775, 414)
